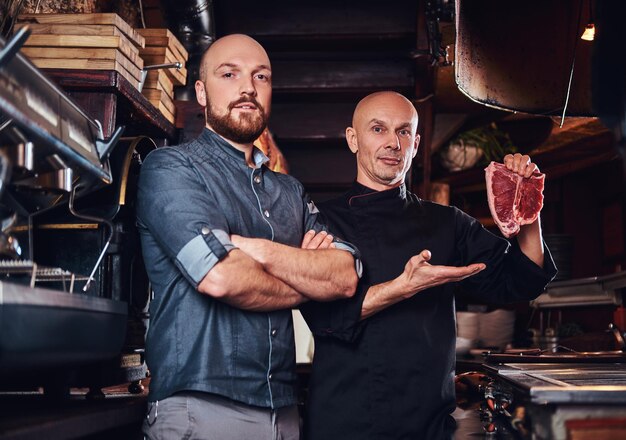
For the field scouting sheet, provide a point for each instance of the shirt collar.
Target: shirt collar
(227, 150)
(362, 195)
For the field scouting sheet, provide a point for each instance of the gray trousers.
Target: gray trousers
(195, 415)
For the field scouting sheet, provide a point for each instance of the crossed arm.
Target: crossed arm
(263, 275)
(318, 271)
(242, 282)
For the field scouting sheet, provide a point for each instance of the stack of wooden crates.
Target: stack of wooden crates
(162, 47)
(106, 42)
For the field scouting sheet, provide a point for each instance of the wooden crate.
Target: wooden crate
(83, 41)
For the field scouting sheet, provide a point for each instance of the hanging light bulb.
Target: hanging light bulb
(590, 29)
(590, 32)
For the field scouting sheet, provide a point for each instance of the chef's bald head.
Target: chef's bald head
(384, 138)
(381, 100)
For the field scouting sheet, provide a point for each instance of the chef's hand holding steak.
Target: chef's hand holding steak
(515, 196)
(514, 192)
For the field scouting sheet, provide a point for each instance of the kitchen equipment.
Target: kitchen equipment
(74, 289)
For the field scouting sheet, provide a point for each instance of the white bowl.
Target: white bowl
(460, 156)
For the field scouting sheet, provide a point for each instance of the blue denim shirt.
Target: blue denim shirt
(190, 199)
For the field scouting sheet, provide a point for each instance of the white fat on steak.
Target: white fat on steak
(513, 200)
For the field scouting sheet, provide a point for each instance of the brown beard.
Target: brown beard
(244, 130)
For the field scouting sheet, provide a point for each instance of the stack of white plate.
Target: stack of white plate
(467, 325)
(496, 328)
(466, 331)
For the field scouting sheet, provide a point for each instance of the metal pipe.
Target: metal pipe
(193, 24)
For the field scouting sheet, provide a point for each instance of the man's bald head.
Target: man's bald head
(365, 105)
(384, 138)
(229, 46)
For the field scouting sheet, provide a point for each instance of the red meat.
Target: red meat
(513, 199)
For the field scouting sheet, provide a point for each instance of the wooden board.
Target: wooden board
(115, 41)
(178, 76)
(158, 79)
(73, 19)
(82, 30)
(163, 109)
(83, 53)
(154, 94)
(160, 50)
(163, 42)
(163, 37)
(163, 51)
(85, 64)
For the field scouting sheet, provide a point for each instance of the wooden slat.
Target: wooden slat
(163, 51)
(163, 109)
(178, 76)
(327, 76)
(160, 81)
(81, 53)
(103, 18)
(71, 29)
(163, 37)
(86, 64)
(154, 94)
(166, 42)
(117, 42)
(314, 121)
(319, 19)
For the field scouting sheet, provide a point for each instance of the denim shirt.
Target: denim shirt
(190, 199)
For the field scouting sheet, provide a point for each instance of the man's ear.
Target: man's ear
(200, 93)
(416, 145)
(351, 139)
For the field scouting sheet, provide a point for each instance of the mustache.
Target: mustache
(233, 104)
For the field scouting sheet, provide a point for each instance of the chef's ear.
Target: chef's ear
(416, 145)
(200, 93)
(351, 138)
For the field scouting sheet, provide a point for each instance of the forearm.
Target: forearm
(321, 274)
(241, 282)
(530, 242)
(383, 295)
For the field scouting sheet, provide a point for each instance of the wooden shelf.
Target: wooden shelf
(108, 97)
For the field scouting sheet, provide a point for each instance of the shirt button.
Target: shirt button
(205, 230)
(273, 332)
(257, 179)
(266, 213)
(270, 376)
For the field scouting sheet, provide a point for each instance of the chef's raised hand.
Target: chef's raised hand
(419, 274)
(317, 240)
(520, 164)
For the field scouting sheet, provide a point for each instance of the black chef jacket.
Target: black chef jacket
(391, 376)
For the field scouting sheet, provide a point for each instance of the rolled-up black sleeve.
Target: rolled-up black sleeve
(510, 275)
(340, 319)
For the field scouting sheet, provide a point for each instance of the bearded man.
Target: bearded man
(220, 235)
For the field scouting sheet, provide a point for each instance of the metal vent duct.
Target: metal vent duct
(193, 24)
(518, 56)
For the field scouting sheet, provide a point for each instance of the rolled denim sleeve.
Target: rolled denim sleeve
(177, 209)
(313, 219)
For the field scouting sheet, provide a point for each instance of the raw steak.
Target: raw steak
(513, 200)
